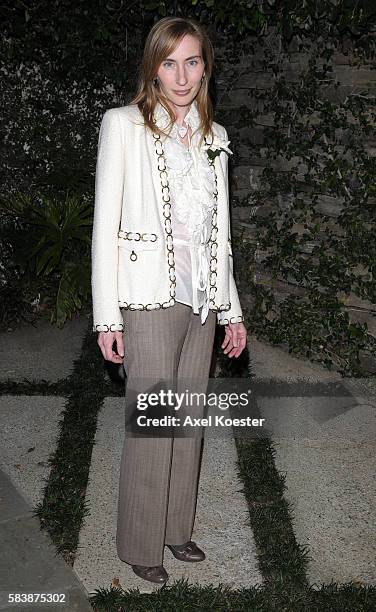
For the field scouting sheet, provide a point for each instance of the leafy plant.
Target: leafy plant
(50, 243)
(291, 18)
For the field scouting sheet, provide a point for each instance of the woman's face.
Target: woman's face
(181, 72)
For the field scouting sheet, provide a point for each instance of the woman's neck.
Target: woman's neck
(180, 113)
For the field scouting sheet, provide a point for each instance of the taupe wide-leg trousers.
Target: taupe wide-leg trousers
(159, 475)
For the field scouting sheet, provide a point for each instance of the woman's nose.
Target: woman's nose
(181, 77)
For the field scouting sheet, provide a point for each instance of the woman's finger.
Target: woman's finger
(228, 342)
(101, 345)
(111, 354)
(231, 333)
(227, 339)
(120, 344)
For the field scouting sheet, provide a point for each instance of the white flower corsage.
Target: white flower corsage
(216, 147)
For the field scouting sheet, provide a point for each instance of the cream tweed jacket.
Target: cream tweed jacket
(133, 263)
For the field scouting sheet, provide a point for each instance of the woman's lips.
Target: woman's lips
(182, 93)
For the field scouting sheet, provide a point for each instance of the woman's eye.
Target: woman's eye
(170, 64)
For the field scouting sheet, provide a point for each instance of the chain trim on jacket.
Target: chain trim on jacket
(144, 237)
(109, 328)
(238, 319)
(168, 230)
(162, 167)
(214, 248)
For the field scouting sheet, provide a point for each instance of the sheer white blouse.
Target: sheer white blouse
(192, 183)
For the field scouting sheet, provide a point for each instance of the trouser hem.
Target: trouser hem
(140, 561)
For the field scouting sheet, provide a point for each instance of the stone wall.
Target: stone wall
(237, 85)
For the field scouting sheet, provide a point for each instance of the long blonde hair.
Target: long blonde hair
(162, 40)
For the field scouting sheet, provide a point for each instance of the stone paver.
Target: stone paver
(28, 433)
(325, 447)
(329, 485)
(220, 525)
(28, 560)
(42, 351)
(271, 362)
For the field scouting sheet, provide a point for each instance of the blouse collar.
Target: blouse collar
(162, 117)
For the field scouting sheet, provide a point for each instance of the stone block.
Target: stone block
(41, 351)
(241, 177)
(29, 562)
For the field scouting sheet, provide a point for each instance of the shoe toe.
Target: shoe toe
(190, 552)
(155, 574)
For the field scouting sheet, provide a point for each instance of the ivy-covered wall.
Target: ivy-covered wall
(301, 118)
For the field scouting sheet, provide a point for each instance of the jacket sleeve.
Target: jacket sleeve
(235, 314)
(109, 182)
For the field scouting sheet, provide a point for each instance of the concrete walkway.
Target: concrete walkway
(325, 445)
(28, 560)
(29, 428)
(220, 527)
(324, 430)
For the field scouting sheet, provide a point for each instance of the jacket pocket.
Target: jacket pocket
(142, 267)
(137, 242)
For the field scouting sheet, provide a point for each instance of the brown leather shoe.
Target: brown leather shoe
(187, 552)
(155, 574)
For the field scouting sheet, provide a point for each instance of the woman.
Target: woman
(162, 275)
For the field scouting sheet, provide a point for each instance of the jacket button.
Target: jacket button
(133, 256)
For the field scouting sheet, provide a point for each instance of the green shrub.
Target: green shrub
(47, 241)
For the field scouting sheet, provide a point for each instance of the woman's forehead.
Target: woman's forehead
(188, 47)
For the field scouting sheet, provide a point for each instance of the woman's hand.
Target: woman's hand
(235, 339)
(106, 341)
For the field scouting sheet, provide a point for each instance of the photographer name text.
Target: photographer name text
(188, 421)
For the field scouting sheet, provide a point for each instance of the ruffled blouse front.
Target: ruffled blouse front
(192, 185)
